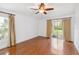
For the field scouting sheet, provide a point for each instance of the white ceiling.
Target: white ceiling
(24, 8)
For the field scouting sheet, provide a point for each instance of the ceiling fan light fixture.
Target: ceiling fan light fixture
(42, 8)
(41, 11)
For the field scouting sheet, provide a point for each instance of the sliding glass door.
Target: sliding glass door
(57, 36)
(57, 29)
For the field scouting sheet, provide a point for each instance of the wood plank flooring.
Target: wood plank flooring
(41, 46)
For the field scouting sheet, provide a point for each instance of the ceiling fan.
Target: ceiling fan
(42, 9)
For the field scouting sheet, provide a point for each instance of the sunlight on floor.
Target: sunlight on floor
(57, 46)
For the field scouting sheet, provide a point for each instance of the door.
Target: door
(4, 36)
(57, 36)
(57, 29)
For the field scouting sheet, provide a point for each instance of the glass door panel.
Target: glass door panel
(4, 37)
(57, 36)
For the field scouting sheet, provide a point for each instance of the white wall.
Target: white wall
(76, 27)
(26, 27)
(42, 27)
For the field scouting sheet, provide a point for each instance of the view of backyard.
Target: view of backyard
(3, 28)
(58, 29)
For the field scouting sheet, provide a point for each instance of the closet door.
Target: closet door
(67, 29)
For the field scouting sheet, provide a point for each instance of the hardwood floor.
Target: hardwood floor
(41, 46)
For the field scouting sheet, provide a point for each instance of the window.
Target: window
(3, 28)
(57, 29)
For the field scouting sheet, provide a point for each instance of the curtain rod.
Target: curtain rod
(7, 13)
(60, 18)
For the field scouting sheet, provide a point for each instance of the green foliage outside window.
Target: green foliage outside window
(58, 29)
(3, 27)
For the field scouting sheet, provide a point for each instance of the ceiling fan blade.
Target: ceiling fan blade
(49, 9)
(33, 9)
(36, 12)
(45, 13)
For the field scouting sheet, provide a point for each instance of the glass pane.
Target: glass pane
(3, 32)
(57, 29)
(57, 36)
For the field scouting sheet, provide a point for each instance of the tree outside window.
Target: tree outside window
(58, 29)
(3, 28)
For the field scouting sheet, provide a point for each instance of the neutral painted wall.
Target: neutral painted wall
(76, 27)
(42, 27)
(26, 27)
